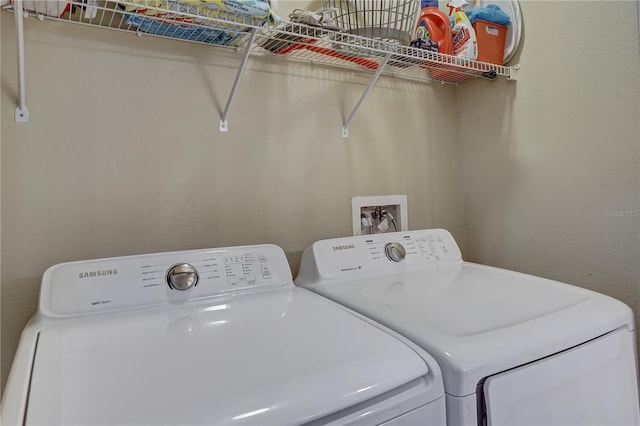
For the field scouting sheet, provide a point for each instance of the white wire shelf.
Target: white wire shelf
(258, 36)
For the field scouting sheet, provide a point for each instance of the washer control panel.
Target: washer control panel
(370, 254)
(77, 288)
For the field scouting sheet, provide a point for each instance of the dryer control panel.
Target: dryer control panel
(364, 255)
(100, 285)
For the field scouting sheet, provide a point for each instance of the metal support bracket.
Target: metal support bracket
(345, 125)
(22, 113)
(513, 72)
(223, 120)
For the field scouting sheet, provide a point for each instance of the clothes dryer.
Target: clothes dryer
(514, 349)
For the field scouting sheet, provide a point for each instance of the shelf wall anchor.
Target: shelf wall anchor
(22, 113)
(513, 71)
(345, 126)
(223, 120)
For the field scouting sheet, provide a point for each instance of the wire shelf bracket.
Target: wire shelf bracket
(345, 125)
(22, 112)
(224, 128)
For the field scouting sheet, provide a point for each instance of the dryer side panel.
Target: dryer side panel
(591, 384)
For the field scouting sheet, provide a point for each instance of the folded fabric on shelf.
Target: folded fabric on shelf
(490, 13)
(206, 21)
(230, 10)
(199, 33)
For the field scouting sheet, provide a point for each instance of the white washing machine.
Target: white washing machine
(514, 349)
(216, 337)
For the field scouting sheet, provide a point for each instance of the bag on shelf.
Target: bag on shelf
(55, 8)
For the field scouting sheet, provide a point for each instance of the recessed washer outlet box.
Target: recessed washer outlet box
(379, 214)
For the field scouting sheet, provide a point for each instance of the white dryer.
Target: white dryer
(514, 349)
(216, 337)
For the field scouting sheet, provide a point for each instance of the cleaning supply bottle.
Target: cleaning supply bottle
(434, 25)
(465, 44)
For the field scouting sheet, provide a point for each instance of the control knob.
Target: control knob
(182, 276)
(395, 252)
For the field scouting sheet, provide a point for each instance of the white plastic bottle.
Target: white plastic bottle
(465, 44)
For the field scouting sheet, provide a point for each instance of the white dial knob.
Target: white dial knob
(182, 276)
(395, 252)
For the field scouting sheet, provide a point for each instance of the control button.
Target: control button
(182, 276)
(251, 279)
(266, 272)
(262, 257)
(395, 252)
(234, 280)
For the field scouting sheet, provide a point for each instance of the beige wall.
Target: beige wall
(551, 165)
(2, 344)
(123, 155)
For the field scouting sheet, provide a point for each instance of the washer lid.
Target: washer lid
(477, 320)
(278, 357)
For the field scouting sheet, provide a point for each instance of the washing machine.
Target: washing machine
(514, 349)
(215, 337)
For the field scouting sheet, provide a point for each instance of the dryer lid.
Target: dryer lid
(474, 320)
(477, 320)
(278, 357)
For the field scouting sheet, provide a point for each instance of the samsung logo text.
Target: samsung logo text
(99, 273)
